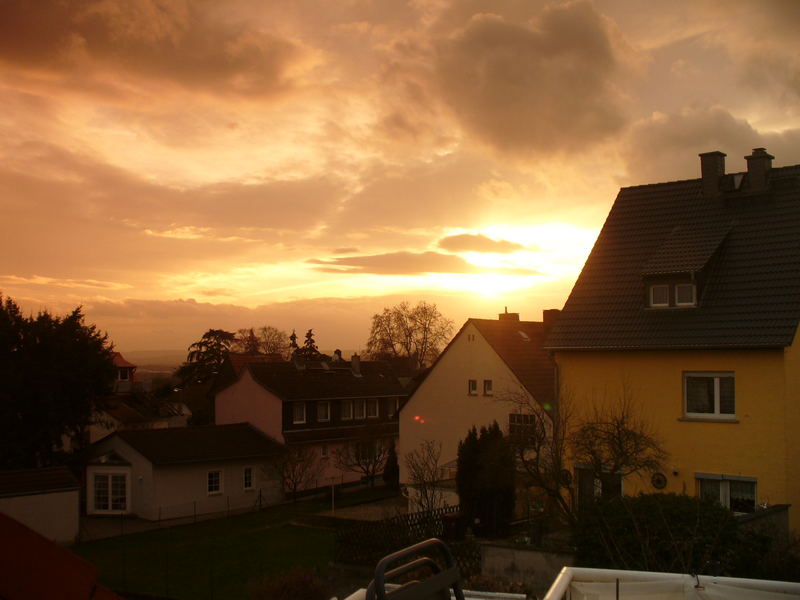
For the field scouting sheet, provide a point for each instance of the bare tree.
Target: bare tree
(298, 468)
(424, 474)
(264, 340)
(611, 440)
(366, 455)
(405, 330)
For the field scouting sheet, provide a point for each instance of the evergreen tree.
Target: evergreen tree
(391, 471)
(468, 464)
(54, 373)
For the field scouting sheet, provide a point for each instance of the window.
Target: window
(472, 387)
(110, 492)
(358, 409)
(123, 374)
(591, 487)
(298, 412)
(659, 295)
(393, 406)
(248, 478)
(347, 410)
(736, 493)
(214, 482)
(487, 387)
(372, 408)
(709, 395)
(684, 294)
(519, 424)
(323, 411)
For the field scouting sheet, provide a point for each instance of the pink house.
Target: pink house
(326, 405)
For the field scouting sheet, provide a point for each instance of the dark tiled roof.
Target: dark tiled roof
(119, 361)
(751, 292)
(290, 381)
(21, 482)
(330, 434)
(519, 344)
(201, 444)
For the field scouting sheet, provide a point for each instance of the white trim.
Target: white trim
(221, 483)
(349, 415)
(693, 301)
(716, 415)
(328, 418)
(295, 420)
(652, 288)
(103, 471)
(252, 478)
(373, 402)
(472, 387)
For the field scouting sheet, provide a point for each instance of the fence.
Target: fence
(366, 543)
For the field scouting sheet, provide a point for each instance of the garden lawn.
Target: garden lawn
(211, 559)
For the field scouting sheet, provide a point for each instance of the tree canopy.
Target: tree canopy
(206, 356)
(405, 330)
(54, 372)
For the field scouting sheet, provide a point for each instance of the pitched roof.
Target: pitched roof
(23, 482)
(519, 345)
(119, 361)
(200, 444)
(312, 381)
(743, 245)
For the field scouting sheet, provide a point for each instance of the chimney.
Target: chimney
(712, 168)
(507, 316)
(758, 165)
(549, 316)
(355, 365)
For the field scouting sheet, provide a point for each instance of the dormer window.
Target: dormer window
(672, 295)
(659, 295)
(685, 294)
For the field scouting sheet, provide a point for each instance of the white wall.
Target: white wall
(441, 409)
(247, 402)
(55, 515)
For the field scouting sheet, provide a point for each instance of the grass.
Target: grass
(216, 559)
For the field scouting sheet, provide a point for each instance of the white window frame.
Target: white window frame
(716, 415)
(724, 487)
(691, 286)
(394, 404)
(219, 489)
(346, 410)
(109, 475)
(295, 419)
(251, 472)
(652, 289)
(359, 409)
(487, 387)
(472, 387)
(371, 403)
(327, 417)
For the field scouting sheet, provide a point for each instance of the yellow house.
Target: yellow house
(483, 375)
(689, 304)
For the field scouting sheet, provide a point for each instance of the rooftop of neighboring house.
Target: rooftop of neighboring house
(335, 378)
(120, 362)
(24, 482)
(178, 445)
(712, 262)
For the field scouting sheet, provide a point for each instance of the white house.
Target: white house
(485, 371)
(178, 472)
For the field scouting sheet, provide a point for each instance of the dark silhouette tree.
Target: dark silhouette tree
(54, 374)
(391, 471)
(424, 475)
(298, 469)
(205, 357)
(365, 455)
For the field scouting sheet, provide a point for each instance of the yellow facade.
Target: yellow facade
(762, 442)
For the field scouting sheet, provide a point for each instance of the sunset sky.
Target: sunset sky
(177, 165)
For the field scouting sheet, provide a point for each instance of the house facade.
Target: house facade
(688, 305)
(168, 473)
(325, 405)
(492, 370)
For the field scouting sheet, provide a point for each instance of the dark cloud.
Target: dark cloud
(665, 147)
(407, 263)
(468, 242)
(542, 88)
(191, 44)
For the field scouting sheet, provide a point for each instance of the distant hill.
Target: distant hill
(155, 360)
